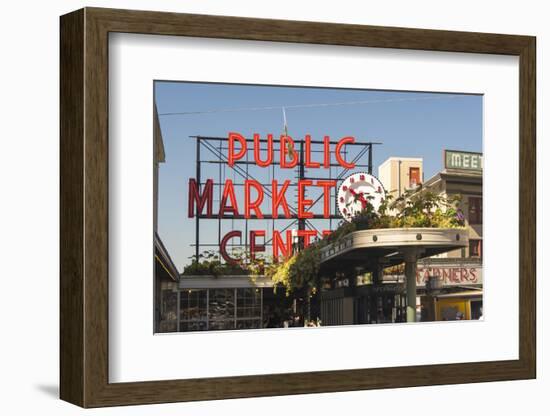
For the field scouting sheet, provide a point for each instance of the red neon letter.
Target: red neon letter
(200, 200)
(223, 244)
(302, 202)
(308, 163)
(279, 246)
(341, 143)
(307, 235)
(232, 156)
(326, 146)
(326, 195)
(228, 192)
(278, 198)
(287, 147)
(248, 205)
(269, 160)
(253, 247)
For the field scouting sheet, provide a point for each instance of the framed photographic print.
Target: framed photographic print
(255, 207)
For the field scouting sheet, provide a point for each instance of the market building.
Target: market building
(453, 282)
(366, 278)
(400, 174)
(371, 276)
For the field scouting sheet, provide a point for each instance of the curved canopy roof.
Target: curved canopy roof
(390, 245)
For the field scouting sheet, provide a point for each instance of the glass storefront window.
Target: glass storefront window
(168, 311)
(193, 305)
(221, 305)
(220, 309)
(193, 310)
(248, 303)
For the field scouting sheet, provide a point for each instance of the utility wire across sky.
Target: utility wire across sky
(313, 105)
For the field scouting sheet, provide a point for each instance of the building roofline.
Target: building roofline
(164, 258)
(397, 158)
(450, 175)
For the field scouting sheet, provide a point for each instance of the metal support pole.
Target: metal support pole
(301, 176)
(198, 177)
(370, 160)
(410, 278)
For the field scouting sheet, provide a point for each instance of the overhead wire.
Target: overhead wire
(312, 105)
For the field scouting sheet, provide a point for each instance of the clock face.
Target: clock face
(356, 191)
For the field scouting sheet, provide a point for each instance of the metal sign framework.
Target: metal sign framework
(216, 147)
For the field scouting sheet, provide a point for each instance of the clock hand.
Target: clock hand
(358, 195)
(361, 197)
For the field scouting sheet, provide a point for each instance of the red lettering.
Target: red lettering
(453, 277)
(339, 158)
(308, 163)
(232, 157)
(194, 197)
(228, 192)
(326, 185)
(278, 198)
(302, 202)
(253, 205)
(256, 248)
(287, 147)
(257, 147)
(326, 148)
(223, 245)
(445, 274)
(279, 246)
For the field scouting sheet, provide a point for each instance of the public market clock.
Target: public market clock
(356, 191)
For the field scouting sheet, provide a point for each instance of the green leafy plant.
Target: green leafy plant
(425, 208)
(418, 208)
(209, 263)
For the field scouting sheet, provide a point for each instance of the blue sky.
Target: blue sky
(408, 124)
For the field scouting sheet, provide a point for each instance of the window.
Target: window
(475, 248)
(248, 303)
(475, 210)
(193, 310)
(167, 315)
(220, 309)
(414, 177)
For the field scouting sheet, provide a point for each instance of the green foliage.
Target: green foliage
(424, 208)
(209, 263)
(418, 208)
(298, 272)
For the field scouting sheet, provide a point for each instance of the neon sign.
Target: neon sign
(201, 201)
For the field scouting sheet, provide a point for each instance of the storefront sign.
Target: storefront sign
(463, 160)
(252, 205)
(450, 275)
